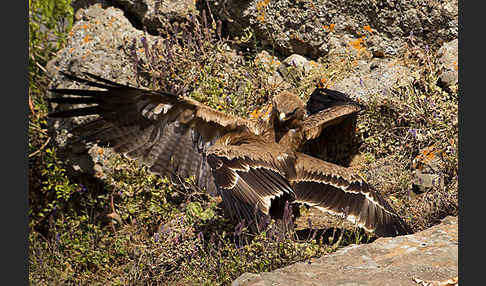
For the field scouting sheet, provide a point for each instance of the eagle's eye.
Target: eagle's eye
(291, 113)
(286, 116)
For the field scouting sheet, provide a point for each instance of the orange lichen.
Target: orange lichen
(329, 27)
(86, 39)
(426, 156)
(322, 83)
(261, 113)
(261, 6)
(358, 44)
(296, 37)
(368, 28)
(255, 114)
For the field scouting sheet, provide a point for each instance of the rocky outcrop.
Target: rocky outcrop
(374, 78)
(150, 15)
(99, 42)
(431, 254)
(311, 28)
(315, 28)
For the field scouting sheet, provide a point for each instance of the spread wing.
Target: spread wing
(325, 108)
(333, 189)
(168, 133)
(250, 176)
(330, 126)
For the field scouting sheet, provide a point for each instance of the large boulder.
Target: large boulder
(101, 42)
(431, 254)
(375, 78)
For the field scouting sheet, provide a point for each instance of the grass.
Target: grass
(136, 228)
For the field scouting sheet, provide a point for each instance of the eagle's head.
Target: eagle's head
(288, 110)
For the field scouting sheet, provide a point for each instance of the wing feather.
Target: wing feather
(314, 124)
(333, 189)
(330, 125)
(250, 177)
(168, 133)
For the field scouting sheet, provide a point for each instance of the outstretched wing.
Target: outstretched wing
(168, 133)
(325, 108)
(251, 176)
(330, 125)
(333, 189)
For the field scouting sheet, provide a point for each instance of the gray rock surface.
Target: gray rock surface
(431, 254)
(449, 63)
(312, 28)
(374, 78)
(148, 14)
(304, 27)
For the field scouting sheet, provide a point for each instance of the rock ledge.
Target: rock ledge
(431, 254)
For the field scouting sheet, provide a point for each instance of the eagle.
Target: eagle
(254, 165)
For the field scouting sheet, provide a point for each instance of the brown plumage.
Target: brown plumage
(251, 164)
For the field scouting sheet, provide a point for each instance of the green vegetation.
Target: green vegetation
(132, 227)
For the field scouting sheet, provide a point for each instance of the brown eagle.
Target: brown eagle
(252, 164)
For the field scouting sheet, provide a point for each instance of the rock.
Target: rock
(307, 28)
(300, 63)
(431, 254)
(448, 60)
(148, 14)
(99, 43)
(273, 67)
(374, 79)
(269, 63)
(296, 61)
(427, 170)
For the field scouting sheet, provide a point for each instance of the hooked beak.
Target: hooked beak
(281, 116)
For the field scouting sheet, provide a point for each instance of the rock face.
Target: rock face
(374, 78)
(148, 14)
(314, 28)
(431, 254)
